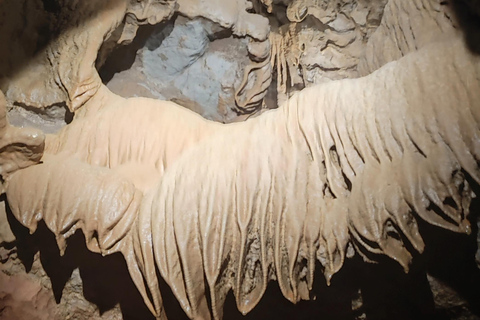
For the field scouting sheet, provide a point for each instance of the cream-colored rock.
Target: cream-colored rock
(334, 168)
(342, 168)
(406, 27)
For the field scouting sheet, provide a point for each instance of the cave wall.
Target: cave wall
(200, 64)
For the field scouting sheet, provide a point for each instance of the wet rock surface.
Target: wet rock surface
(193, 63)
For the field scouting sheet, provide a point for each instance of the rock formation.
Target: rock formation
(343, 173)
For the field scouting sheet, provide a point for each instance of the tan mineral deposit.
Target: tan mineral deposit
(374, 140)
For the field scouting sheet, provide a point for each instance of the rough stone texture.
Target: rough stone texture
(448, 302)
(22, 298)
(406, 27)
(325, 44)
(52, 64)
(318, 41)
(26, 40)
(49, 120)
(180, 63)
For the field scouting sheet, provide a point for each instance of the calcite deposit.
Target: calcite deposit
(355, 198)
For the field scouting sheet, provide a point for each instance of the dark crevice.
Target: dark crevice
(122, 57)
(417, 147)
(435, 208)
(172, 307)
(348, 183)
(467, 14)
(105, 280)
(448, 201)
(47, 113)
(51, 6)
(391, 231)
